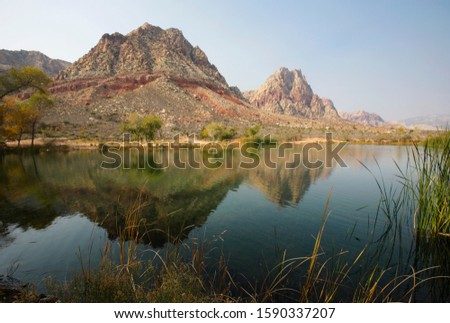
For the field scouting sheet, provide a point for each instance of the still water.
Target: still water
(58, 209)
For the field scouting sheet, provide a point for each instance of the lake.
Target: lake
(59, 209)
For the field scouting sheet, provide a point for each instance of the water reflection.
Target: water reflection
(51, 198)
(38, 188)
(284, 186)
(433, 253)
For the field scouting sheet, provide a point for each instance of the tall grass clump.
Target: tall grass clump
(427, 183)
(363, 275)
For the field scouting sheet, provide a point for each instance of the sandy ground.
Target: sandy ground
(59, 142)
(84, 144)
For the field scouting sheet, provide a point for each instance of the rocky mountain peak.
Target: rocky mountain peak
(148, 49)
(287, 92)
(109, 41)
(288, 75)
(146, 28)
(112, 38)
(146, 25)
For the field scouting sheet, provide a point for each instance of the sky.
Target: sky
(388, 57)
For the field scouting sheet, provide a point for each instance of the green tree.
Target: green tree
(14, 81)
(252, 131)
(217, 131)
(36, 104)
(131, 125)
(149, 125)
(5, 108)
(141, 127)
(229, 133)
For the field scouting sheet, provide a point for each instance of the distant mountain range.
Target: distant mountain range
(363, 117)
(21, 58)
(430, 122)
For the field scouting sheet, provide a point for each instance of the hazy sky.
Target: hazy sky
(389, 57)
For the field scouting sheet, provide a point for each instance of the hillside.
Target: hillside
(149, 71)
(21, 58)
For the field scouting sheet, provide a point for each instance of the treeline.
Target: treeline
(142, 127)
(20, 114)
(217, 131)
(147, 126)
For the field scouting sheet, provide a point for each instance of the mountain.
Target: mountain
(148, 48)
(21, 58)
(288, 92)
(157, 71)
(430, 122)
(149, 71)
(363, 117)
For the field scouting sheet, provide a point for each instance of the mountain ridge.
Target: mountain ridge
(288, 92)
(426, 122)
(157, 71)
(21, 58)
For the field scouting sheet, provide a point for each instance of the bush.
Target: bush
(217, 131)
(142, 127)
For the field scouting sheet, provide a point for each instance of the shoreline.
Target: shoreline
(64, 144)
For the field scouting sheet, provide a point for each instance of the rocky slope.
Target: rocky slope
(363, 117)
(21, 58)
(146, 49)
(288, 92)
(150, 71)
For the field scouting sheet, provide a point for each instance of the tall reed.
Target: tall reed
(427, 183)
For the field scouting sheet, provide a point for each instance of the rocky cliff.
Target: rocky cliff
(288, 92)
(21, 58)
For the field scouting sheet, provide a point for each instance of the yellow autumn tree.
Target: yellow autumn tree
(18, 117)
